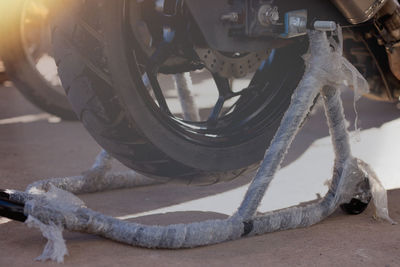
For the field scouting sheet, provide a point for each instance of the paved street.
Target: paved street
(34, 146)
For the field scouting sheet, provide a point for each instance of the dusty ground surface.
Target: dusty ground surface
(39, 149)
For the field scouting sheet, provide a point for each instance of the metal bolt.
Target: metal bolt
(268, 15)
(273, 14)
(231, 17)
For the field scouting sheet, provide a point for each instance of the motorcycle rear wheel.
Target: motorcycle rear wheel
(104, 83)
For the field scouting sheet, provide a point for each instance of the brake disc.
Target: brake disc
(232, 65)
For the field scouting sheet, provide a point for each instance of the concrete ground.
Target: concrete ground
(37, 147)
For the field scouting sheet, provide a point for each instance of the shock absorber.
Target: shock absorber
(389, 16)
(388, 24)
(386, 14)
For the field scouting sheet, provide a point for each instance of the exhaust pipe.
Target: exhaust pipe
(359, 11)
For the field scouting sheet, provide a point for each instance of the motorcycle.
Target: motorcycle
(25, 50)
(112, 56)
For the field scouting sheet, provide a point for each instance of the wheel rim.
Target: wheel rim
(261, 104)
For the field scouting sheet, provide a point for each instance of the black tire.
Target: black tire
(20, 69)
(106, 95)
